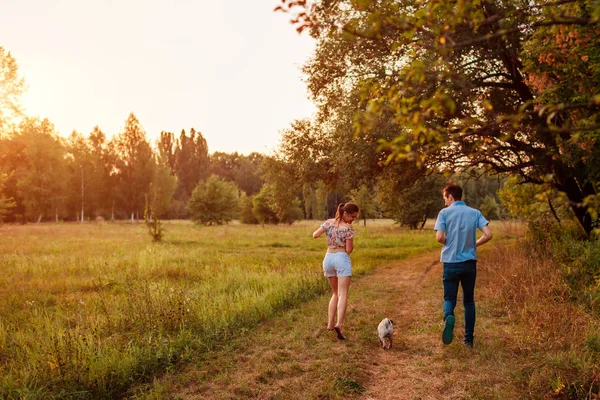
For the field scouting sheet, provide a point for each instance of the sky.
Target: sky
(227, 68)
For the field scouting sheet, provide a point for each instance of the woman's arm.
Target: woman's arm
(349, 245)
(318, 232)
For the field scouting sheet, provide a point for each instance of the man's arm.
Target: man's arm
(440, 236)
(487, 235)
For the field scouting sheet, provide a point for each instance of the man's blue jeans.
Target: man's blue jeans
(463, 273)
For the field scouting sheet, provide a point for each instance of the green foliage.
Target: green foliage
(243, 170)
(42, 170)
(214, 202)
(366, 202)
(246, 215)
(292, 213)
(411, 205)
(477, 186)
(163, 188)
(92, 178)
(6, 203)
(80, 166)
(135, 165)
(582, 262)
(578, 259)
(489, 208)
(155, 227)
(191, 162)
(315, 200)
(12, 87)
(261, 207)
(280, 192)
(532, 202)
(508, 86)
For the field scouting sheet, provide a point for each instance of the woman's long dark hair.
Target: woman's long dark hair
(349, 207)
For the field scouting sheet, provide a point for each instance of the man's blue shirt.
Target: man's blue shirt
(460, 223)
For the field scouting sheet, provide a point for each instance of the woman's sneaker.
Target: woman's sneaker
(447, 334)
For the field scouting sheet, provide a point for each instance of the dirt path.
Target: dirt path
(293, 357)
(420, 366)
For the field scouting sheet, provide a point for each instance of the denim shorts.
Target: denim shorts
(337, 264)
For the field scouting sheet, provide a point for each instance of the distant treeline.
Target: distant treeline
(45, 177)
(49, 178)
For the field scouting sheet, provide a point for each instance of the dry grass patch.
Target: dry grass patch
(556, 339)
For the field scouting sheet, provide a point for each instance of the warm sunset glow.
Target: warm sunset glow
(230, 70)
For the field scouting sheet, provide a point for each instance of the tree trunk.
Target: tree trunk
(132, 214)
(576, 195)
(554, 212)
(82, 218)
(425, 219)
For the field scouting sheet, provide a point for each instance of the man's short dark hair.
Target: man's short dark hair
(453, 189)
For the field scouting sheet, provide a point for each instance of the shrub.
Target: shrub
(246, 215)
(214, 202)
(261, 207)
(489, 208)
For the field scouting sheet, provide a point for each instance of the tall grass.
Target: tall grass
(539, 284)
(90, 310)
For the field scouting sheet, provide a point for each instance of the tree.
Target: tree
(408, 203)
(246, 215)
(315, 196)
(12, 87)
(243, 170)
(166, 149)
(365, 200)
(12, 158)
(477, 187)
(468, 84)
(80, 171)
(261, 207)
(489, 208)
(214, 202)
(532, 202)
(281, 191)
(6, 203)
(247, 175)
(41, 174)
(135, 166)
(163, 188)
(101, 188)
(153, 223)
(191, 162)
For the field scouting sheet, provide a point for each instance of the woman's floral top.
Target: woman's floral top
(336, 234)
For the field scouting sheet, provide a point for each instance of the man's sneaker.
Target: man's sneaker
(448, 328)
(468, 344)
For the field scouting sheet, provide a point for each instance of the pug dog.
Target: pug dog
(385, 330)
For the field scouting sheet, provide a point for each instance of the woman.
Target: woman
(337, 266)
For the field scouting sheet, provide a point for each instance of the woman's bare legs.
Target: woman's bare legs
(333, 303)
(338, 302)
(343, 286)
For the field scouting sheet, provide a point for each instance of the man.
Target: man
(456, 227)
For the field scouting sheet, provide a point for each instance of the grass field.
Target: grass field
(91, 310)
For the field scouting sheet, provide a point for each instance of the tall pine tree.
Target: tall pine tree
(135, 166)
